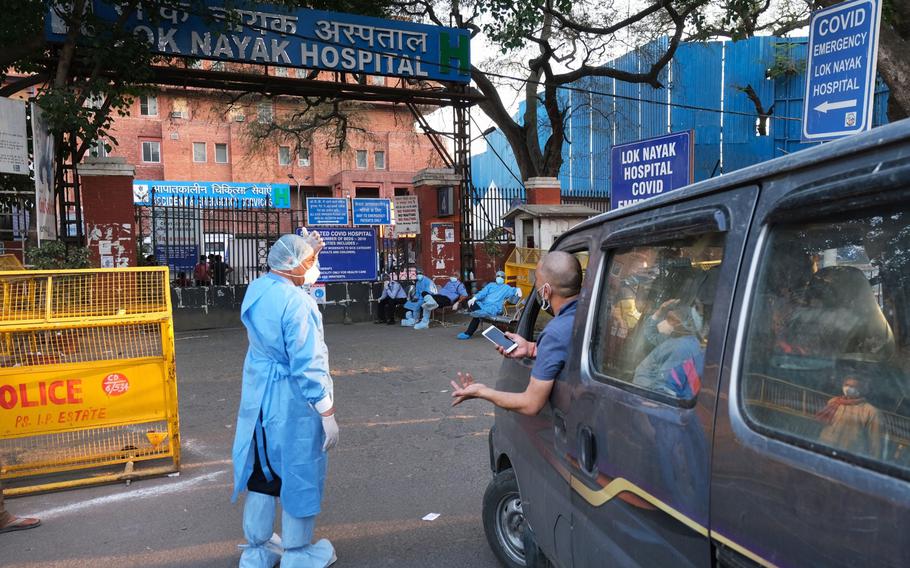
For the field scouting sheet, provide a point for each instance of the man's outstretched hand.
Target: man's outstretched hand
(465, 388)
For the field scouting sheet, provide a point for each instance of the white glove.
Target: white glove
(331, 432)
(471, 302)
(455, 307)
(518, 292)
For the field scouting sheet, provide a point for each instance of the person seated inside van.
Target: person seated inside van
(850, 422)
(557, 285)
(840, 316)
(677, 361)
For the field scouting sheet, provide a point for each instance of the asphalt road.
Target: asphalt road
(403, 453)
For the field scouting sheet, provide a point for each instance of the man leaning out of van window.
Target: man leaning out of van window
(557, 286)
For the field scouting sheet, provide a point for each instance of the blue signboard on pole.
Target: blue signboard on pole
(372, 211)
(214, 194)
(327, 211)
(840, 72)
(349, 255)
(274, 35)
(650, 167)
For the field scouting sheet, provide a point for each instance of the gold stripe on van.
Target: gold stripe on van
(617, 486)
(620, 485)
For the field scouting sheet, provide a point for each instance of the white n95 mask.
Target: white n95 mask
(312, 274)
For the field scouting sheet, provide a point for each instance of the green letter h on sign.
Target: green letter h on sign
(462, 53)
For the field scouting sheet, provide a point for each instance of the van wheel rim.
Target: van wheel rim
(510, 522)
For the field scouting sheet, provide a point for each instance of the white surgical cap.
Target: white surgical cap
(289, 252)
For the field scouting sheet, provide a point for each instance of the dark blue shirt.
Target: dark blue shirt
(553, 344)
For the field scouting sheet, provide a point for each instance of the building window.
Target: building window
(303, 156)
(401, 191)
(361, 159)
(218, 66)
(199, 151)
(825, 353)
(221, 153)
(377, 80)
(179, 108)
(281, 71)
(379, 159)
(654, 314)
(148, 105)
(284, 155)
(367, 192)
(151, 152)
(265, 111)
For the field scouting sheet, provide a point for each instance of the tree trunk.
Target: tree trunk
(893, 55)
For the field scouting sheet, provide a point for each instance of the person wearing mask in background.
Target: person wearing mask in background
(558, 283)
(202, 274)
(286, 422)
(450, 295)
(393, 295)
(851, 423)
(488, 302)
(422, 287)
(677, 360)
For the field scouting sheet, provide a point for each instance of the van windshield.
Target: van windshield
(826, 357)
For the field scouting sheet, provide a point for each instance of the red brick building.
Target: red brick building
(193, 135)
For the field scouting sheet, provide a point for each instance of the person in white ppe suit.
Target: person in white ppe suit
(286, 422)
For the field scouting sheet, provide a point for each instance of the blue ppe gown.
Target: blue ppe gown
(285, 379)
(425, 284)
(492, 297)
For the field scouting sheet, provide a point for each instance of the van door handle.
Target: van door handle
(559, 425)
(587, 448)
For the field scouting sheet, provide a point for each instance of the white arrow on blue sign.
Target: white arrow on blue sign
(840, 72)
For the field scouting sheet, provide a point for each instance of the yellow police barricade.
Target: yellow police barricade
(520, 267)
(522, 263)
(87, 377)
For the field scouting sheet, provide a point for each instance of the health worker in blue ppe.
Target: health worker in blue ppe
(286, 422)
(450, 294)
(423, 286)
(489, 302)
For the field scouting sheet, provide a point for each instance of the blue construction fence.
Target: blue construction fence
(711, 75)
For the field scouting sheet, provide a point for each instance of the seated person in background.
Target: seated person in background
(840, 317)
(488, 302)
(676, 363)
(422, 287)
(851, 423)
(393, 295)
(449, 295)
(182, 281)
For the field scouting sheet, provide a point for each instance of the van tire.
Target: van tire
(504, 525)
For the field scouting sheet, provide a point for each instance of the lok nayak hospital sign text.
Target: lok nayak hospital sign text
(253, 33)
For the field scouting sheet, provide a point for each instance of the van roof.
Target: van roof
(824, 152)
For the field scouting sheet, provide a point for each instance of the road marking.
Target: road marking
(191, 337)
(177, 487)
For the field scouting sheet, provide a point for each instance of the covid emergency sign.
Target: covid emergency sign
(651, 167)
(840, 71)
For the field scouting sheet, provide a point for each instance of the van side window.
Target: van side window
(652, 318)
(542, 318)
(827, 357)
